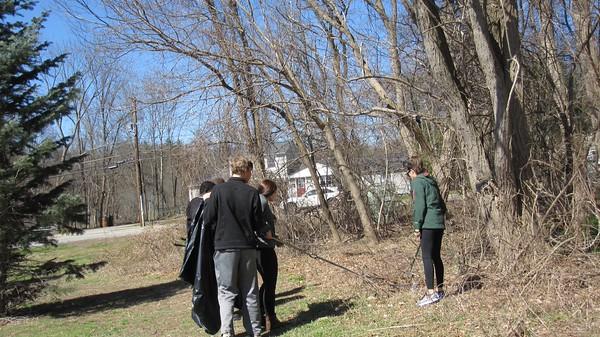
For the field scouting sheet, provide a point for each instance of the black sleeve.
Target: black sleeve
(259, 226)
(210, 212)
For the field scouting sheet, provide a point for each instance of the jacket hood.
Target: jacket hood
(426, 178)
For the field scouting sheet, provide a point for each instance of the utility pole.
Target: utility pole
(138, 165)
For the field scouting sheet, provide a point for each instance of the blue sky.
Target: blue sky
(57, 28)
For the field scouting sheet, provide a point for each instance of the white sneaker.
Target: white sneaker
(428, 299)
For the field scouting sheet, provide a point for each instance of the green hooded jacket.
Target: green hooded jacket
(428, 206)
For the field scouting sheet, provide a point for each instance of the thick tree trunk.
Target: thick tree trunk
(588, 63)
(499, 58)
(588, 59)
(443, 70)
(500, 63)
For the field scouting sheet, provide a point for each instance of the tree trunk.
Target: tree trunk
(102, 198)
(256, 142)
(308, 161)
(501, 66)
(443, 70)
(409, 130)
(340, 158)
(562, 93)
(588, 63)
(348, 176)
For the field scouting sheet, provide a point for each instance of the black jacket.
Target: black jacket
(234, 213)
(191, 210)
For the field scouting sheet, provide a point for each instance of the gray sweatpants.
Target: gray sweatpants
(236, 274)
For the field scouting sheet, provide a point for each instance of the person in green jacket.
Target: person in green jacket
(429, 210)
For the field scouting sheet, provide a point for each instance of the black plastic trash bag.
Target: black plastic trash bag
(192, 244)
(198, 269)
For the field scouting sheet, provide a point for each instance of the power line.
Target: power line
(126, 162)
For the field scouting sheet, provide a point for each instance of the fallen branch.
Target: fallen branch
(367, 278)
(398, 327)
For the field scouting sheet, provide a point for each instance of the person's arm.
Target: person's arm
(419, 205)
(210, 212)
(260, 226)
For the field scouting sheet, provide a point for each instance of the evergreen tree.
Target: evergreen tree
(27, 108)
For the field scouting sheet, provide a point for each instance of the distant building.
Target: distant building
(193, 191)
(301, 181)
(280, 159)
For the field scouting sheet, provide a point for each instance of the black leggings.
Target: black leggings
(268, 272)
(431, 243)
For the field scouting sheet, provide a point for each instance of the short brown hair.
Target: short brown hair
(416, 164)
(267, 187)
(218, 180)
(240, 164)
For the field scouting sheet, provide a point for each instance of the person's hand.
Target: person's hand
(268, 235)
(417, 233)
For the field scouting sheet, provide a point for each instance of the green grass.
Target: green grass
(314, 300)
(81, 252)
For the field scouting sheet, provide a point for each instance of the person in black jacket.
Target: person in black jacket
(195, 204)
(188, 268)
(267, 262)
(235, 214)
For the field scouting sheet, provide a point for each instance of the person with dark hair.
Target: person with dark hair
(429, 209)
(267, 259)
(234, 214)
(195, 205)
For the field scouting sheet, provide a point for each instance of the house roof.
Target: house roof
(280, 148)
(322, 170)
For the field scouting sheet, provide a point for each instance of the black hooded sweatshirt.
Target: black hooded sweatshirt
(234, 213)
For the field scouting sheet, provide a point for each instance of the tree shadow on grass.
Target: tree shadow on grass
(290, 292)
(281, 301)
(315, 311)
(108, 301)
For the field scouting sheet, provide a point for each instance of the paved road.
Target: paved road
(112, 232)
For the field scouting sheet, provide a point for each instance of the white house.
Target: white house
(277, 158)
(300, 181)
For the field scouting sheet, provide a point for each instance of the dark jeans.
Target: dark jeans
(267, 267)
(431, 244)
